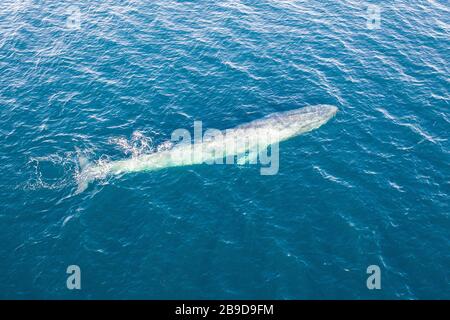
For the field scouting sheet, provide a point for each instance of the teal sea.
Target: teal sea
(113, 79)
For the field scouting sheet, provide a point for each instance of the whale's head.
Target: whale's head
(305, 119)
(317, 112)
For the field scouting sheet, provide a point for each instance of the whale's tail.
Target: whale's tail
(83, 177)
(90, 171)
(82, 185)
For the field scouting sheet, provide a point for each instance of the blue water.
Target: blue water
(369, 187)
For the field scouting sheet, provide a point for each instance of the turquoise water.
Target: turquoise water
(370, 187)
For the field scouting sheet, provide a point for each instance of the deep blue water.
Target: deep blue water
(370, 187)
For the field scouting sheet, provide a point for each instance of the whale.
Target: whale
(243, 143)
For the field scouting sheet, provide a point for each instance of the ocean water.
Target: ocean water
(371, 187)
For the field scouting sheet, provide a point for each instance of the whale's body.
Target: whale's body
(239, 141)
